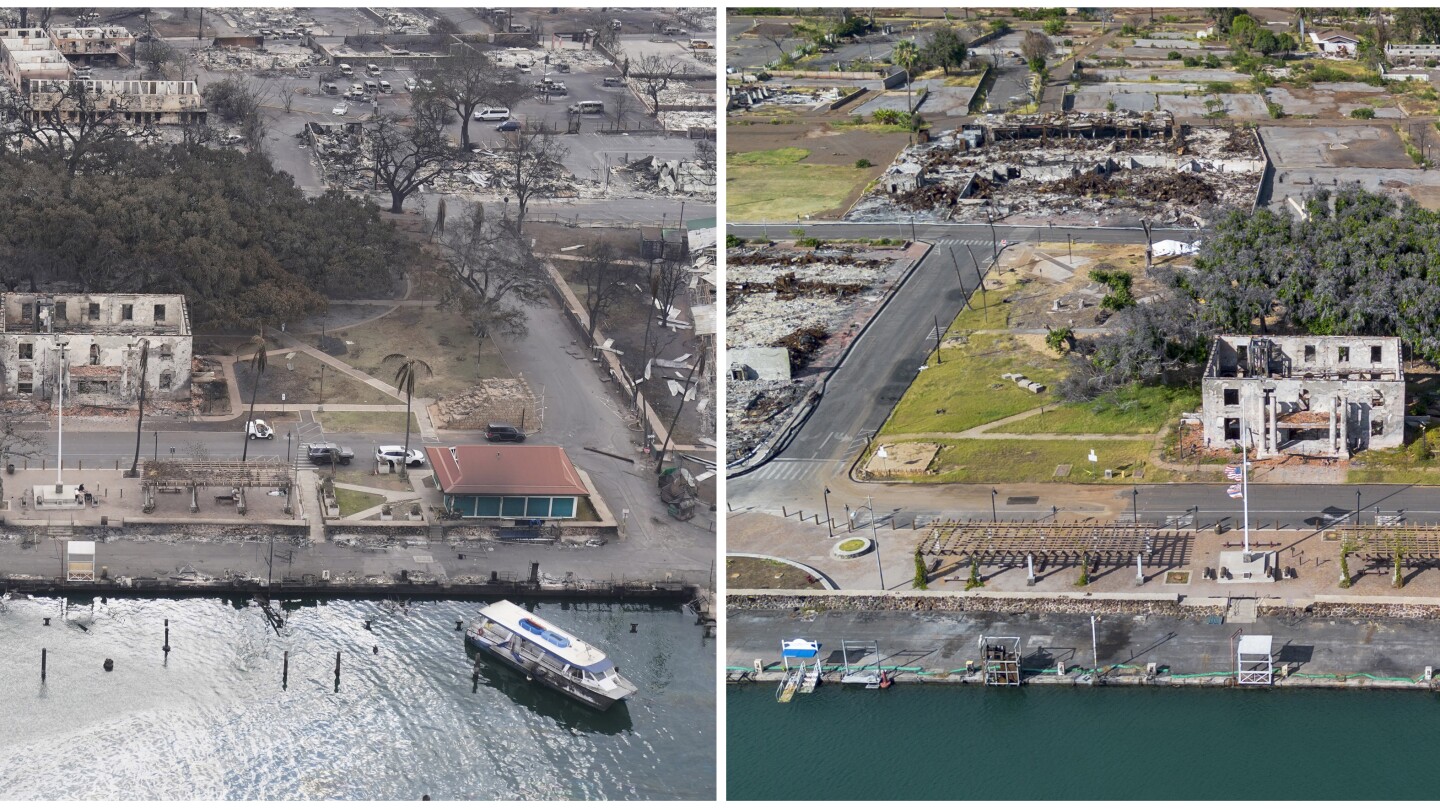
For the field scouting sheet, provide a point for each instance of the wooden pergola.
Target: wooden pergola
(177, 475)
(1010, 543)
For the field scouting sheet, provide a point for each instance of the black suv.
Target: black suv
(330, 453)
(496, 432)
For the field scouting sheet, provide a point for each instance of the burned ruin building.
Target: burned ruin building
(102, 337)
(1326, 397)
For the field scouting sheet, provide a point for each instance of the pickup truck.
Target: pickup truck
(330, 453)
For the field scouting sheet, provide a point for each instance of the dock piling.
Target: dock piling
(285, 671)
(43, 653)
(166, 648)
(337, 671)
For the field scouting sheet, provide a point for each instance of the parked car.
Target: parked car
(411, 84)
(372, 69)
(394, 452)
(258, 429)
(563, 67)
(340, 109)
(346, 70)
(385, 87)
(497, 432)
(612, 81)
(492, 114)
(329, 453)
(508, 126)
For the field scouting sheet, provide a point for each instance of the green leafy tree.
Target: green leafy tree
(907, 55)
(946, 49)
(406, 376)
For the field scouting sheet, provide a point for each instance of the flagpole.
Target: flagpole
(1245, 484)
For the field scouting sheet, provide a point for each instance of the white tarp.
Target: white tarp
(1170, 247)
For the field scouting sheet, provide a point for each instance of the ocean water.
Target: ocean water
(1080, 743)
(212, 721)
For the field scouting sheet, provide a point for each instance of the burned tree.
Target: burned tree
(469, 80)
(671, 277)
(489, 272)
(653, 73)
(530, 167)
(406, 156)
(602, 275)
(65, 121)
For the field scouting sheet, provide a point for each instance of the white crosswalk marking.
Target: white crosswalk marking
(783, 469)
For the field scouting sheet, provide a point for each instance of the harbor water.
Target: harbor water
(213, 720)
(1080, 743)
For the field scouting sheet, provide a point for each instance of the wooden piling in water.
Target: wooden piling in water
(337, 670)
(285, 672)
(166, 648)
(43, 653)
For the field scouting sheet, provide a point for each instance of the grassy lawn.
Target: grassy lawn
(749, 573)
(352, 502)
(777, 186)
(440, 337)
(368, 422)
(363, 478)
(996, 462)
(970, 80)
(966, 390)
(1398, 466)
(868, 126)
(1132, 410)
(302, 383)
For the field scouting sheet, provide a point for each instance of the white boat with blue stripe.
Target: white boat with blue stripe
(545, 653)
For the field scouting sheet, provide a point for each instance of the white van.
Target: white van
(331, 88)
(587, 107)
(372, 69)
(346, 70)
(492, 114)
(384, 86)
(371, 87)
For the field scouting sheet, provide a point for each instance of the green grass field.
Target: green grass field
(966, 390)
(777, 186)
(369, 422)
(352, 502)
(998, 462)
(1131, 410)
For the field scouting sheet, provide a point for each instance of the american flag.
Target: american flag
(1232, 471)
(1234, 491)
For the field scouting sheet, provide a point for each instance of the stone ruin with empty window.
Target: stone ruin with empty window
(102, 338)
(1325, 397)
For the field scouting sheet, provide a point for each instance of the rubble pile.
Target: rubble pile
(754, 409)
(493, 400)
(670, 178)
(789, 286)
(401, 21)
(976, 604)
(254, 60)
(687, 120)
(803, 344)
(802, 300)
(1120, 169)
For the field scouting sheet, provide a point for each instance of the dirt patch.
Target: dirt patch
(750, 573)
(910, 459)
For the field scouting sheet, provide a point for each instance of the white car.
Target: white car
(394, 452)
(258, 429)
(341, 109)
(411, 84)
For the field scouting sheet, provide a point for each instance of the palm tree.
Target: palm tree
(405, 377)
(906, 54)
(139, 422)
(257, 364)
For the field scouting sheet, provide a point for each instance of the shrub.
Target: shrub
(733, 241)
(1173, 55)
(1212, 61)
(1363, 113)
(862, 163)
(1119, 283)
(809, 241)
(922, 581)
(974, 581)
(1067, 43)
(1430, 63)
(1110, 107)
(1053, 26)
(1421, 450)
(1275, 110)
(1060, 340)
(1191, 62)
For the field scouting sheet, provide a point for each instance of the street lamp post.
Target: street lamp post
(1135, 505)
(875, 541)
(829, 526)
(156, 457)
(994, 515)
(1356, 519)
(60, 430)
